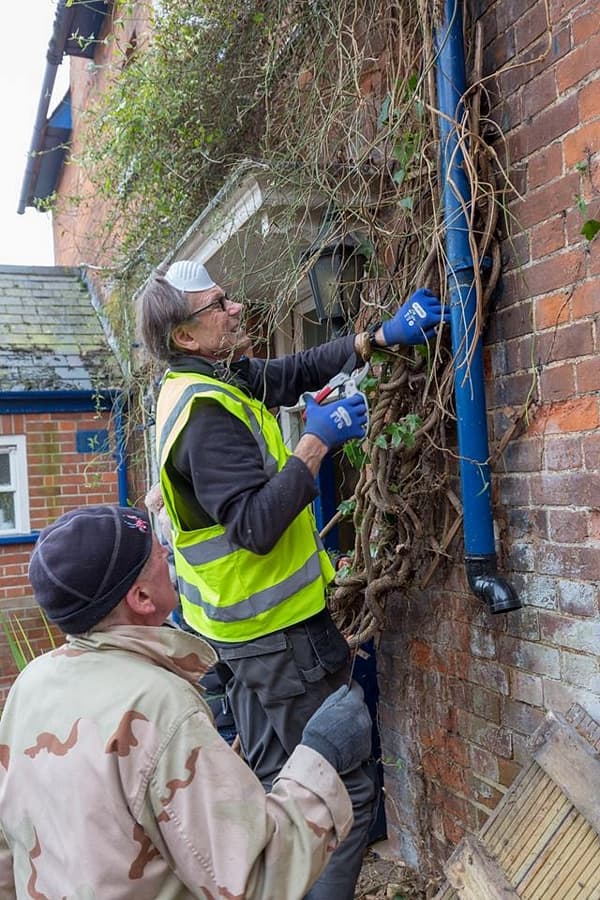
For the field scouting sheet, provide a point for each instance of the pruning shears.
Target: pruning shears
(344, 384)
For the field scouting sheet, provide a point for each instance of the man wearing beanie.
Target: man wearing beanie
(251, 569)
(114, 782)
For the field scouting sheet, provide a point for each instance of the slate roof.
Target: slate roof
(51, 337)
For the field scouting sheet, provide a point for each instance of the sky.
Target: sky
(27, 26)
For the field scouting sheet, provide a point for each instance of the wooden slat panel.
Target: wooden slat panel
(542, 842)
(571, 763)
(475, 875)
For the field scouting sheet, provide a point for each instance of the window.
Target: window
(14, 494)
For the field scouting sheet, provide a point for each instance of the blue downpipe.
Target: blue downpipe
(469, 391)
(121, 450)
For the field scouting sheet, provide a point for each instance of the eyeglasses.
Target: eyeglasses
(221, 302)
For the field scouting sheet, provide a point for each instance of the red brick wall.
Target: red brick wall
(461, 691)
(79, 237)
(60, 478)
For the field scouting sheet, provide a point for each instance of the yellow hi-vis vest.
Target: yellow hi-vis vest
(227, 592)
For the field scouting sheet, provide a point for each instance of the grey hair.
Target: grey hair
(162, 308)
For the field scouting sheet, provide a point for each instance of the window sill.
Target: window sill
(28, 538)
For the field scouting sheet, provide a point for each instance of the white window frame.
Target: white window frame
(290, 417)
(17, 447)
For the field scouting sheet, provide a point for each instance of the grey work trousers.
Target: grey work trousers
(277, 683)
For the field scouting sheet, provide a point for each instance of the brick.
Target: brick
(512, 490)
(582, 670)
(559, 9)
(581, 61)
(513, 390)
(554, 272)
(548, 237)
(587, 374)
(526, 687)
(487, 735)
(514, 322)
(589, 101)
(565, 489)
(578, 598)
(482, 643)
(484, 793)
(523, 455)
(585, 23)
(562, 453)
(594, 525)
(519, 353)
(569, 561)
(437, 766)
(538, 94)
(533, 657)
(522, 717)
(585, 300)
(560, 696)
(483, 703)
(574, 634)
(581, 144)
(551, 123)
(521, 556)
(507, 13)
(508, 770)
(557, 383)
(566, 526)
(530, 26)
(527, 522)
(548, 201)
(523, 624)
(515, 252)
(489, 675)
(484, 763)
(576, 415)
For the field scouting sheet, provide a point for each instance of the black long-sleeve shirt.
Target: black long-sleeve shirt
(216, 465)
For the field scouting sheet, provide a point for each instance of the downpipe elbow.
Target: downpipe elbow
(485, 582)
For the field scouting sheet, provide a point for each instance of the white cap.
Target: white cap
(187, 275)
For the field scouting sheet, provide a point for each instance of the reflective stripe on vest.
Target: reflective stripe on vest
(257, 603)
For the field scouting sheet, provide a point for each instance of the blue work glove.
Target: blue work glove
(416, 320)
(337, 422)
(340, 730)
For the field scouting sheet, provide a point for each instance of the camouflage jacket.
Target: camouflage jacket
(115, 784)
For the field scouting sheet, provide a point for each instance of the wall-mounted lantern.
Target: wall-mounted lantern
(335, 276)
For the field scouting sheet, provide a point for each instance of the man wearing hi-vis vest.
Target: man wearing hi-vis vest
(251, 570)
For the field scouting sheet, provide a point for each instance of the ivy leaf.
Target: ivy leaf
(590, 229)
(384, 112)
(347, 507)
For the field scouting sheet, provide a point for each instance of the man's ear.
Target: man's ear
(138, 600)
(184, 338)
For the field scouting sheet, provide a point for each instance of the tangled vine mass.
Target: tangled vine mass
(335, 104)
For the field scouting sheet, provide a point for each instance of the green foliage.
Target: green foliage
(401, 433)
(346, 507)
(173, 119)
(18, 641)
(590, 227)
(355, 453)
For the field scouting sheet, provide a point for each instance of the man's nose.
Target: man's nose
(233, 307)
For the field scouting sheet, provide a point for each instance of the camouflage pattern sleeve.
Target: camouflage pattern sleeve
(223, 835)
(7, 881)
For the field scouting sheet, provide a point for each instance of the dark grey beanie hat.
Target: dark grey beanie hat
(84, 563)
